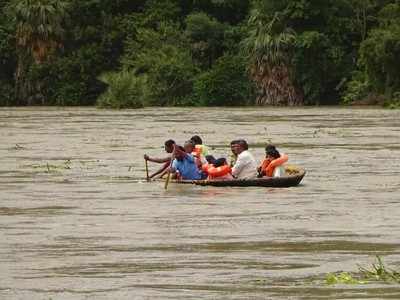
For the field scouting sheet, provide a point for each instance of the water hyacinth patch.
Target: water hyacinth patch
(377, 272)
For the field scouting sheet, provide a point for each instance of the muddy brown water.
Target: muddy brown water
(77, 220)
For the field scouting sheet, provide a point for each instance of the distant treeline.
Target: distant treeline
(135, 53)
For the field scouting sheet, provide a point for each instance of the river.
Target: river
(77, 220)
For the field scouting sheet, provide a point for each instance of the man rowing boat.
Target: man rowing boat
(166, 161)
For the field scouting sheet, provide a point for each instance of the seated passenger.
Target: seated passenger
(199, 158)
(245, 166)
(185, 165)
(272, 166)
(198, 143)
(220, 170)
(166, 161)
(233, 155)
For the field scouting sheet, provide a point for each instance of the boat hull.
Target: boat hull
(279, 182)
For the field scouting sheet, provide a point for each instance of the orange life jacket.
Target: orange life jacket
(268, 167)
(214, 172)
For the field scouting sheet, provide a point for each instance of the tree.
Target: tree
(226, 84)
(38, 34)
(7, 57)
(164, 58)
(380, 52)
(270, 46)
(205, 34)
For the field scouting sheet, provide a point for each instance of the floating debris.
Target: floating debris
(378, 272)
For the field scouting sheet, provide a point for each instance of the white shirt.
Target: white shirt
(245, 166)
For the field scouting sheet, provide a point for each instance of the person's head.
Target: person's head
(233, 146)
(271, 152)
(181, 154)
(220, 162)
(269, 147)
(196, 140)
(169, 146)
(189, 146)
(239, 146)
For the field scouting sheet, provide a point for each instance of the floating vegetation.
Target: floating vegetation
(49, 168)
(57, 166)
(342, 278)
(377, 272)
(199, 132)
(17, 147)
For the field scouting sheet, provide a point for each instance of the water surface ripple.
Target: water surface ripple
(78, 221)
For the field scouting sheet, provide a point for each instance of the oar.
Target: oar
(147, 170)
(169, 169)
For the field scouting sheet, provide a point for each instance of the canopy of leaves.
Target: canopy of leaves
(54, 52)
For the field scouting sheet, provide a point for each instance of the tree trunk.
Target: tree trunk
(27, 92)
(388, 87)
(276, 87)
(21, 85)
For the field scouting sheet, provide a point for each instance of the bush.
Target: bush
(125, 90)
(356, 89)
(6, 94)
(226, 83)
(395, 102)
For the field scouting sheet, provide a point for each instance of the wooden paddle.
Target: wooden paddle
(169, 170)
(147, 170)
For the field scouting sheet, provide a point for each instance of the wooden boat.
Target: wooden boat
(293, 178)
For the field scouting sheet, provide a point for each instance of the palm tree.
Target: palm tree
(269, 48)
(38, 34)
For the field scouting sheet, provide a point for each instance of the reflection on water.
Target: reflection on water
(78, 220)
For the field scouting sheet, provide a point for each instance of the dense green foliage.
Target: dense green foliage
(125, 90)
(186, 52)
(225, 84)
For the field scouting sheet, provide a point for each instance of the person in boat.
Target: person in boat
(166, 161)
(189, 147)
(272, 166)
(184, 166)
(233, 156)
(199, 147)
(202, 150)
(245, 166)
(220, 170)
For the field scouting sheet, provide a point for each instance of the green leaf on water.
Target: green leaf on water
(342, 278)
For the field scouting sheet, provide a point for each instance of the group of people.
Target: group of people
(193, 161)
